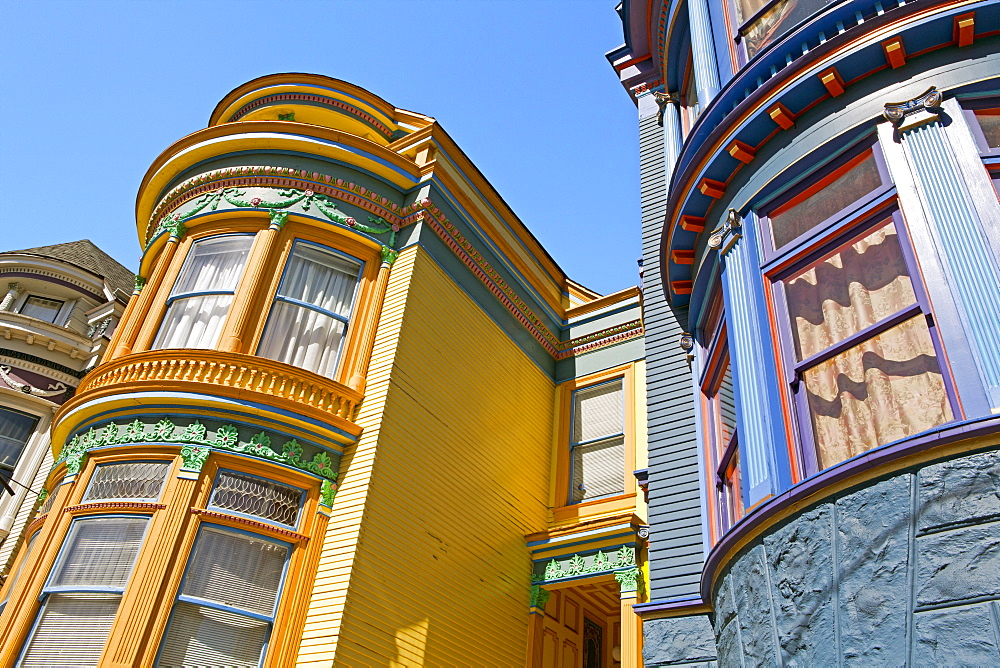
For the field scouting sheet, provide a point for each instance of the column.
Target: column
(13, 292)
(242, 311)
(366, 340)
(671, 121)
(129, 329)
(631, 640)
(536, 625)
(963, 245)
(706, 73)
(753, 363)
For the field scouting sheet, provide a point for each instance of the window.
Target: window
(762, 22)
(597, 445)
(690, 109)
(227, 601)
(862, 348)
(42, 308)
(719, 416)
(84, 589)
(15, 430)
(309, 317)
(201, 296)
(258, 497)
(139, 481)
(989, 122)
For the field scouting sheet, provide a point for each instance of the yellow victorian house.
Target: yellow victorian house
(353, 415)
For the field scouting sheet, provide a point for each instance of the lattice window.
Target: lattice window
(250, 495)
(128, 480)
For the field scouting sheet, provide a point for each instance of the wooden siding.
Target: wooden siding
(676, 550)
(426, 561)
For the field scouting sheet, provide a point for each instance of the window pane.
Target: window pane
(302, 337)
(193, 322)
(12, 580)
(861, 283)
(776, 21)
(128, 480)
(823, 200)
(72, 630)
(15, 430)
(320, 277)
(214, 264)
(42, 308)
(726, 400)
(99, 552)
(599, 469)
(989, 121)
(236, 570)
(881, 390)
(251, 495)
(200, 636)
(598, 411)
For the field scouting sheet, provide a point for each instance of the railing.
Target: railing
(237, 372)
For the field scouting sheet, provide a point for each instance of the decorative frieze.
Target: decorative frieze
(196, 445)
(577, 565)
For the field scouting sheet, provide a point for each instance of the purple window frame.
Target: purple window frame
(841, 234)
(828, 226)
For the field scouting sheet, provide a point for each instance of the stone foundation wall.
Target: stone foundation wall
(905, 570)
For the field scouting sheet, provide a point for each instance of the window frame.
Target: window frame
(840, 233)
(969, 109)
(8, 470)
(179, 596)
(303, 494)
(48, 589)
(817, 178)
(56, 317)
(114, 462)
(607, 437)
(169, 298)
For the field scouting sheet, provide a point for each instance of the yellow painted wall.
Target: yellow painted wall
(435, 501)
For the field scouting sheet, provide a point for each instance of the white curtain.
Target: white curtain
(213, 265)
(303, 336)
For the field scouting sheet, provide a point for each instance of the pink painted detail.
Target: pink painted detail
(350, 222)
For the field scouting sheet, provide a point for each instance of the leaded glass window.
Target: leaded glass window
(251, 495)
(128, 480)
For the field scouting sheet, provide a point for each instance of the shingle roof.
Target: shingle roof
(86, 255)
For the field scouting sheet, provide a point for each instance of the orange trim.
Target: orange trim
(712, 188)
(779, 114)
(632, 61)
(141, 506)
(895, 54)
(680, 287)
(692, 224)
(832, 80)
(742, 152)
(682, 256)
(965, 29)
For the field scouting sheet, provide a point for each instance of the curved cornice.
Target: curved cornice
(294, 80)
(217, 141)
(776, 87)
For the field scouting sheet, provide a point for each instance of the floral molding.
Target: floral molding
(293, 187)
(258, 176)
(578, 566)
(195, 446)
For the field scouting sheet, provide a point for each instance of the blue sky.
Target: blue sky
(94, 90)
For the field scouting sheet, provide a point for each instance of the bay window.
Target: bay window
(203, 293)
(308, 319)
(82, 594)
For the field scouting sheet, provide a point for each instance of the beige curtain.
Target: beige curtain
(883, 389)
(862, 283)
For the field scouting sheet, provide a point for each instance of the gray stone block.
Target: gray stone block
(753, 601)
(956, 637)
(958, 565)
(677, 640)
(873, 528)
(727, 643)
(962, 490)
(799, 555)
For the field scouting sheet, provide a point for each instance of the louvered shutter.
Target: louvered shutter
(200, 636)
(99, 552)
(72, 630)
(598, 451)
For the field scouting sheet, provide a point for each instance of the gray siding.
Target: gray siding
(676, 550)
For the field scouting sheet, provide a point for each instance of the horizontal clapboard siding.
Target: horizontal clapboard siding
(676, 552)
(460, 476)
